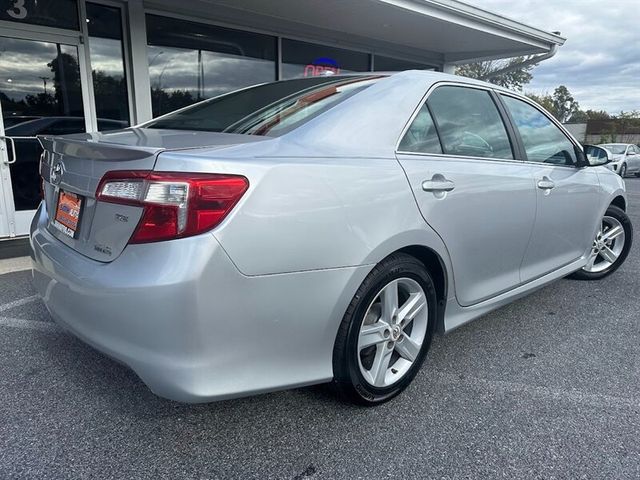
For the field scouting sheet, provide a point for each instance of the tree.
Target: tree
(514, 79)
(545, 100)
(564, 104)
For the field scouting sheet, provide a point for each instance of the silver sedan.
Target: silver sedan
(315, 230)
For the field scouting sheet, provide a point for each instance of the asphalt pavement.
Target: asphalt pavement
(547, 387)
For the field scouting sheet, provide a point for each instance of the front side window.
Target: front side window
(270, 109)
(543, 141)
(469, 123)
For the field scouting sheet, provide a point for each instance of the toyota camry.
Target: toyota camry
(315, 230)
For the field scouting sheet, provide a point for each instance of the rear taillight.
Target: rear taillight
(175, 205)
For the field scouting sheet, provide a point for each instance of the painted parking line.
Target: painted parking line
(17, 303)
(29, 324)
(578, 397)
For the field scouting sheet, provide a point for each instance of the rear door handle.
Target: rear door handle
(438, 183)
(546, 183)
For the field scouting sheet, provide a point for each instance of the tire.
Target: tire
(637, 174)
(623, 170)
(354, 365)
(601, 267)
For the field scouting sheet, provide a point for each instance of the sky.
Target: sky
(600, 61)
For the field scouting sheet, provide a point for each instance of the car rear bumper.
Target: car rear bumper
(192, 327)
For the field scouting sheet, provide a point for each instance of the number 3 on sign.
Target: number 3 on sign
(18, 11)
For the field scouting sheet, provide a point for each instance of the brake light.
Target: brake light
(176, 205)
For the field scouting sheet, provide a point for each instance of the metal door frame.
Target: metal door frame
(16, 223)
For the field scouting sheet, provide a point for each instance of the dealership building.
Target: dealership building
(74, 65)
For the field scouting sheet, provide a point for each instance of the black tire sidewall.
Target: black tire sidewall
(347, 371)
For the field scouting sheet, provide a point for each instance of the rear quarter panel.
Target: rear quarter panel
(315, 213)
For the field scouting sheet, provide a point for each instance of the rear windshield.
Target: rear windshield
(269, 109)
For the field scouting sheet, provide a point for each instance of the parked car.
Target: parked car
(315, 230)
(625, 158)
(10, 121)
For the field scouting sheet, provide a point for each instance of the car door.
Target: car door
(568, 195)
(459, 159)
(633, 159)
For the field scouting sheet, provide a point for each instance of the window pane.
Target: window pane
(107, 64)
(543, 141)
(51, 13)
(469, 123)
(421, 136)
(301, 59)
(189, 61)
(271, 109)
(389, 64)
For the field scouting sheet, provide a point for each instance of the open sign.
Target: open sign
(322, 66)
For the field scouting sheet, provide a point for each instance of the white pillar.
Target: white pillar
(139, 63)
(449, 68)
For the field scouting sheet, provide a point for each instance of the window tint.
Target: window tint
(421, 136)
(469, 123)
(543, 141)
(269, 109)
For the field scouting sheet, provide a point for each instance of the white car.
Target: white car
(625, 158)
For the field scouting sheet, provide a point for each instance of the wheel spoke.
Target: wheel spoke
(414, 304)
(592, 260)
(408, 348)
(608, 254)
(380, 364)
(613, 233)
(372, 334)
(389, 300)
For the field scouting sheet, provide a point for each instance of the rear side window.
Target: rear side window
(469, 123)
(543, 141)
(421, 137)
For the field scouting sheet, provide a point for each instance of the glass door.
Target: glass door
(42, 91)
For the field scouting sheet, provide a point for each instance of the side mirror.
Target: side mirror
(596, 156)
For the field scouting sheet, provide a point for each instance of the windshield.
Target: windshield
(615, 148)
(269, 109)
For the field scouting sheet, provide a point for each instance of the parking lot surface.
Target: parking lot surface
(547, 387)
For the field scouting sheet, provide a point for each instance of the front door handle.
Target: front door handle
(546, 183)
(438, 183)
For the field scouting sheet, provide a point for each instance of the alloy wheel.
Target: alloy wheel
(392, 332)
(607, 246)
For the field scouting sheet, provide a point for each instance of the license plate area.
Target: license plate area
(68, 210)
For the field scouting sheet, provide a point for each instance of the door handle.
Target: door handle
(438, 183)
(546, 183)
(13, 149)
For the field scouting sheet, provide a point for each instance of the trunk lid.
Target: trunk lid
(75, 164)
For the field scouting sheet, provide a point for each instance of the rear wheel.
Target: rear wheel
(386, 331)
(610, 247)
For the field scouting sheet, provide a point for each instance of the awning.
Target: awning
(439, 32)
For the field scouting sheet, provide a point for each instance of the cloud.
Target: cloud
(599, 63)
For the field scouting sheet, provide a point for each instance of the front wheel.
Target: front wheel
(623, 170)
(610, 247)
(386, 331)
